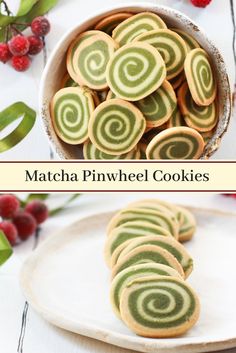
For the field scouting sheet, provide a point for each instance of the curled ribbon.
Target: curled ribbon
(10, 114)
(5, 248)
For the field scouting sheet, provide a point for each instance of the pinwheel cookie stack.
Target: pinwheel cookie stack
(149, 266)
(135, 89)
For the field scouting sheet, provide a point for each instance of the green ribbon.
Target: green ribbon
(5, 248)
(11, 114)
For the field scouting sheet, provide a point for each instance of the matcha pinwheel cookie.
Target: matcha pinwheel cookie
(145, 254)
(108, 23)
(72, 49)
(200, 118)
(188, 226)
(155, 204)
(162, 219)
(116, 126)
(110, 95)
(90, 58)
(71, 109)
(129, 29)
(131, 273)
(159, 306)
(128, 231)
(200, 77)
(171, 47)
(167, 243)
(135, 71)
(90, 151)
(158, 106)
(176, 143)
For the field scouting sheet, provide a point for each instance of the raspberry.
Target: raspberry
(25, 224)
(18, 45)
(36, 45)
(9, 205)
(38, 210)
(10, 231)
(5, 53)
(200, 3)
(40, 26)
(20, 63)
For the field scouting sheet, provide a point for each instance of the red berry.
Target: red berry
(38, 210)
(9, 205)
(10, 231)
(40, 26)
(25, 224)
(5, 53)
(200, 3)
(36, 45)
(18, 45)
(21, 63)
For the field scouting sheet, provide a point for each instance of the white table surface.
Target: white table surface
(215, 19)
(39, 335)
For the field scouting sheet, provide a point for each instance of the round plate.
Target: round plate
(67, 282)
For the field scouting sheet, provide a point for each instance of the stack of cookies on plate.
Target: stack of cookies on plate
(149, 267)
(135, 89)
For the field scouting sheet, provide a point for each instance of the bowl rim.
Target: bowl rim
(212, 146)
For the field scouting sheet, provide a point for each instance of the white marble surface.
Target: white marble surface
(39, 335)
(215, 19)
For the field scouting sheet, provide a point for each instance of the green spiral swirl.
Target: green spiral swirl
(116, 126)
(131, 273)
(92, 152)
(135, 71)
(128, 231)
(70, 110)
(200, 118)
(200, 77)
(72, 49)
(171, 47)
(167, 243)
(129, 29)
(90, 60)
(176, 143)
(145, 254)
(158, 107)
(162, 219)
(159, 306)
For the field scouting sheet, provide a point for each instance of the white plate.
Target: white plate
(67, 283)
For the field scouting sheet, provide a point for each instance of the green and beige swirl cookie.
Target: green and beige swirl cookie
(176, 143)
(116, 126)
(159, 306)
(71, 109)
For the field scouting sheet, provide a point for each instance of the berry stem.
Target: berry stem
(15, 30)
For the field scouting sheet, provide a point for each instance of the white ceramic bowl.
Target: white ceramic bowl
(56, 68)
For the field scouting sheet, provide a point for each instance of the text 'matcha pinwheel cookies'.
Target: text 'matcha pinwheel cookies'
(162, 80)
(149, 267)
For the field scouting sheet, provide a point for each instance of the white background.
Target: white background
(14, 86)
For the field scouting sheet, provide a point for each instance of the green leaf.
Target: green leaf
(56, 210)
(6, 20)
(10, 114)
(39, 9)
(5, 248)
(25, 7)
(41, 197)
